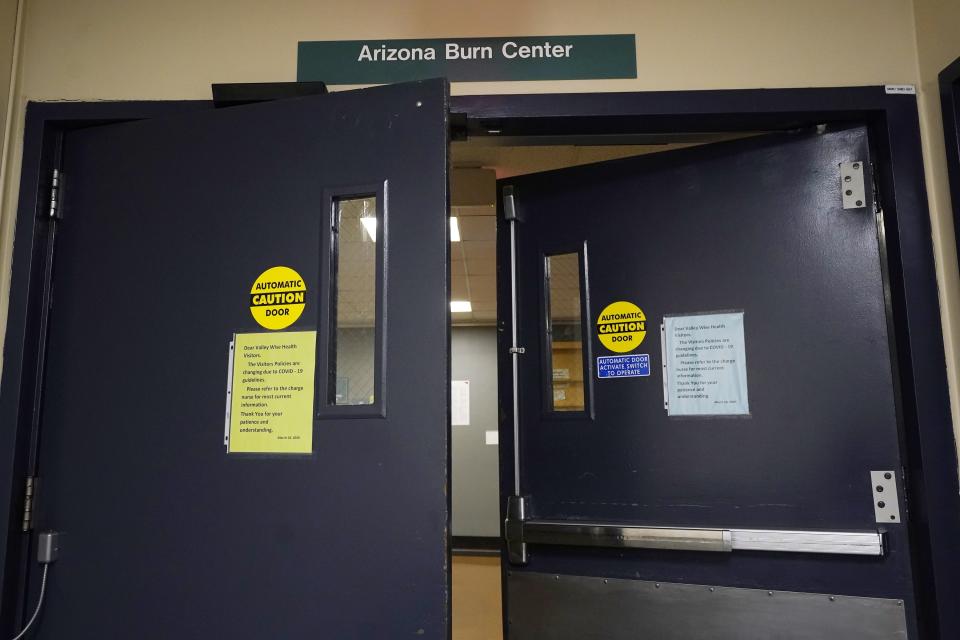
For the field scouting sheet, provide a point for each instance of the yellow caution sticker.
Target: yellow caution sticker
(621, 327)
(277, 298)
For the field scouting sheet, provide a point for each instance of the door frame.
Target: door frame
(949, 80)
(930, 453)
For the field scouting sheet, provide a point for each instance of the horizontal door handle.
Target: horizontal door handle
(612, 535)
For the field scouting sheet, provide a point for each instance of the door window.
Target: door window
(354, 290)
(565, 332)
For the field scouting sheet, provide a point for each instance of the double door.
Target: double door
(706, 439)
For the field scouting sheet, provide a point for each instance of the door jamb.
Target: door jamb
(949, 80)
(933, 491)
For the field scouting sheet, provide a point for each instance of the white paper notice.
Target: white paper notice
(460, 403)
(493, 437)
(706, 365)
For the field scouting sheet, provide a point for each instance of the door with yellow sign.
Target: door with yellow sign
(238, 423)
(700, 421)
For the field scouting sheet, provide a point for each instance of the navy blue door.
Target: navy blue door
(708, 425)
(168, 226)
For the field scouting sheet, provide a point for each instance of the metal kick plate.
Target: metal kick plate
(886, 503)
(852, 185)
(551, 607)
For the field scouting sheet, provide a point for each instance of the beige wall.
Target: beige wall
(139, 49)
(8, 23)
(9, 10)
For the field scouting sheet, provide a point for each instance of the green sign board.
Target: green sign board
(468, 59)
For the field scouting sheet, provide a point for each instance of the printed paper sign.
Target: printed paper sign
(460, 402)
(705, 371)
(271, 392)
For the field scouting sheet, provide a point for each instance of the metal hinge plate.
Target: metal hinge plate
(886, 503)
(56, 181)
(28, 504)
(852, 185)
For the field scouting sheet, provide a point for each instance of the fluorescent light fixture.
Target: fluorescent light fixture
(460, 306)
(370, 226)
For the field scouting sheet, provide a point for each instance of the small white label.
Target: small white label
(460, 403)
(493, 437)
(902, 89)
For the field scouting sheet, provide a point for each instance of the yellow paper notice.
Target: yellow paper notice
(271, 400)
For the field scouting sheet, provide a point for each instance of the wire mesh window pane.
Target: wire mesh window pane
(565, 335)
(355, 301)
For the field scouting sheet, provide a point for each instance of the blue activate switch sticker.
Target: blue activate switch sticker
(632, 366)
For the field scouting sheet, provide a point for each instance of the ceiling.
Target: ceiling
(473, 263)
(508, 161)
(476, 166)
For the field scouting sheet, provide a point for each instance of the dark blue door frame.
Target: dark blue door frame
(933, 491)
(949, 80)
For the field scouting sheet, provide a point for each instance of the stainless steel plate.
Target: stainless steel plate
(549, 607)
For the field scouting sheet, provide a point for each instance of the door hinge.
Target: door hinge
(28, 504)
(852, 188)
(875, 188)
(886, 503)
(56, 187)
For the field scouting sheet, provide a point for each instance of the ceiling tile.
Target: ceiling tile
(458, 288)
(486, 266)
(479, 250)
(474, 228)
(483, 288)
(477, 211)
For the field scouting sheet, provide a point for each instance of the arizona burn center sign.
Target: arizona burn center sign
(468, 59)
